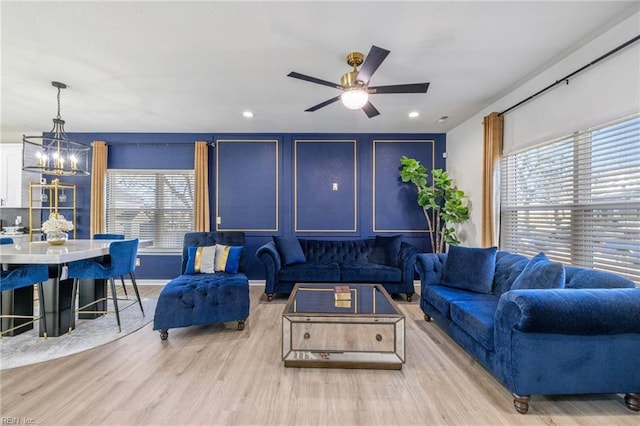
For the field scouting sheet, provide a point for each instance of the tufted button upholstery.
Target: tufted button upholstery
(201, 299)
(340, 252)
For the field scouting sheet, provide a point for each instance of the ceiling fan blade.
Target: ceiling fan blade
(314, 80)
(400, 88)
(323, 104)
(370, 110)
(371, 63)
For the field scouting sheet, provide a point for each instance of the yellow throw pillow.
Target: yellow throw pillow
(222, 253)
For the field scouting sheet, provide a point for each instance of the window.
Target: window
(577, 199)
(151, 204)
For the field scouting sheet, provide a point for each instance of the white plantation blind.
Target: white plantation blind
(151, 204)
(577, 199)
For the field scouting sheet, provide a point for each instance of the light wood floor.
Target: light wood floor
(221, 376)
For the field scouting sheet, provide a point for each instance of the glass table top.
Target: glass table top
(364, 299)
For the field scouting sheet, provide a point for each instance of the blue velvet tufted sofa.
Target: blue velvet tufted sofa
(551, 329)
(204, 298)
(385, 260)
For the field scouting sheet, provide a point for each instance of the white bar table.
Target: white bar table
(57, 291)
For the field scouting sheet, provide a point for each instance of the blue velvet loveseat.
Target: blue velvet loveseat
(382, 260)
(212, 287)
(539, 327)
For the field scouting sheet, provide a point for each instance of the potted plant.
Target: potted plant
(442, 197)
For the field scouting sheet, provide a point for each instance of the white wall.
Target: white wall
(605, 91)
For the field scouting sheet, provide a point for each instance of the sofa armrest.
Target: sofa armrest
(268, 252)
(407, 263)
(430, 267)
(269, 256)
(570, 311)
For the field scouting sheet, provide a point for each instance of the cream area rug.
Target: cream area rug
(28, 348)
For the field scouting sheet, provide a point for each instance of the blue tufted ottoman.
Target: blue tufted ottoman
(204, 298)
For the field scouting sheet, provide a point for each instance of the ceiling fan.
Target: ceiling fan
(355, 84)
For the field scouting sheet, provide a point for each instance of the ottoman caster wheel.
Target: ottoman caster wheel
(269, 297)
(240, 325)
(164, 334)
(409, 297)
(632, 401)
(521, 403)
(427, 318)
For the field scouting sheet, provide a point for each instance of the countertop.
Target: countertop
(40, 252)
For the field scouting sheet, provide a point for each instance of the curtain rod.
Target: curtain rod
(566, 78)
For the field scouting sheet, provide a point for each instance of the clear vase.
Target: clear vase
(57, 238)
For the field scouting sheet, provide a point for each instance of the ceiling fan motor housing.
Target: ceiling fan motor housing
(355, 59)
(350, 79)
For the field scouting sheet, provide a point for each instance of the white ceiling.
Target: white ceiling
(196, 66)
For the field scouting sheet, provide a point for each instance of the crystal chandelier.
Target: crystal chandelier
(53, 153)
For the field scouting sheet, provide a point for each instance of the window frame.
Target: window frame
(591, 217)
(166, 237)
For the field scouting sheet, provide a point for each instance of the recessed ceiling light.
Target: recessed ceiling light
(247, 114)
(414, 114)
(442, 119)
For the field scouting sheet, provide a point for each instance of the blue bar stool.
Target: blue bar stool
(121, 261)
(113, 237)
(24, 276)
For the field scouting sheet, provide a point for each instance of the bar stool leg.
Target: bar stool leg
(135, 288)
(115, 302)
(124, 287)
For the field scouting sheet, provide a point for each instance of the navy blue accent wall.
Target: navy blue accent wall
(158, 267)
(282, 184)
(246, 173)
(151, 156)
(318, 166)
(388, 198)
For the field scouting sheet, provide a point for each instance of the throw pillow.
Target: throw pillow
(290, 250)
(540, 272)
(386, 250)
(200, 260)
(228, 258)
(470, 268)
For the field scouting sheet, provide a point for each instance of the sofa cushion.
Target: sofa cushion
(540, 273)
(290, 250)
(508, 268)
(470, 268)
(201, 260)
(369, 272)
(228, 258)
(310, 272)
(385, 250)
(477, 318)
(441, 297)
(200, 239)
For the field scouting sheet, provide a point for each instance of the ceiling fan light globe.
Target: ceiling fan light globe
(354, 98)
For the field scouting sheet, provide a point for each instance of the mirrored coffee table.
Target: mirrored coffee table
(320, 329)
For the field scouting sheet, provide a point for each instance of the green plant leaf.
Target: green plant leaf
(442, 198)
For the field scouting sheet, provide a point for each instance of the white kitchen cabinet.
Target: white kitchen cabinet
(11, 175)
